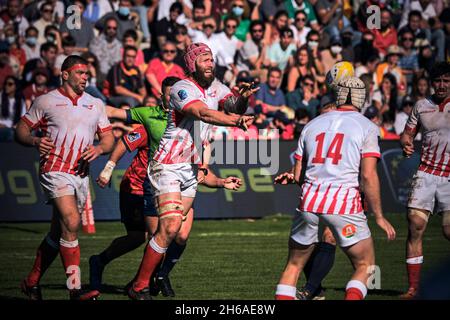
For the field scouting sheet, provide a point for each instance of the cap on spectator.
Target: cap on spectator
(408, 100)
(371, 112)
(394, 49)
(4, 47)
(326, 100)
(281, 116)
(41, 71)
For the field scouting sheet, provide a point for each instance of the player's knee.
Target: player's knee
(417, 220)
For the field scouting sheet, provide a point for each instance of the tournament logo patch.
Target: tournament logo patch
(133, 137)
(88, 106)
(349, 230)
(182, 94)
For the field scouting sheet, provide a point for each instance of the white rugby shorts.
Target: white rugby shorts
(428, 191)
(177, 177)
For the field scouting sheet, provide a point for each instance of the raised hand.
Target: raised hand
(232, 183)
(284, 178)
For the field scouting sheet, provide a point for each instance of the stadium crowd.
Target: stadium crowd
(284, 46)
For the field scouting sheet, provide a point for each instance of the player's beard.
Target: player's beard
(203, 80)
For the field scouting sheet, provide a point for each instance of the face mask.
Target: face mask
(31, 41)
(336, 49)
(238, 11)
(124, 11)
(11, 39)
(313, 44)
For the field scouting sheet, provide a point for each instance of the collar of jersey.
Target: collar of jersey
(65, 94)
(131, 72)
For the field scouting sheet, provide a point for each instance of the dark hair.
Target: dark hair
(255, 23)
(439, 69)
(169, 82)
(393, 94)
(50, 27)
(274, 69)
(302, 12)
(285, 31)
(31, 28)
(230, 18)
(308, 77)
(415, 89)
(47, 46)
(72, 60)
(312, 33)
(130, 33)
(310, 57)
(18, 101)
(198, 4)
(89, 55)
(68, 41)
(280, 13)
(128, 48)
(414, 13)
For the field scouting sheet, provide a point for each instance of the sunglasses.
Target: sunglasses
(300, 19)
(182, 33)
(111, 28)
(169, 51)
(257, 30)
(209, 26)
(308, 84)
(47, 10)
(408, 39)
(10, 84)
(231, 26)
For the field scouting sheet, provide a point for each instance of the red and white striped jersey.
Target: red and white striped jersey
(434, 122)
(184, 135)
(70, 123)
(334, 144)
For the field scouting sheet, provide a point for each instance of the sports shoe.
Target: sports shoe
(409, 295)
(81, 295)
(33, 292)
(153, 287)
(163, 283)
(144, 294)
(303, 294)
(95, 272)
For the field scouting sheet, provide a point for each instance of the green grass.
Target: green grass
(228, 259)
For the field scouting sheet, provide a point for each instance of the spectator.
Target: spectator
(331, 16)
(293, 7)
(280, 22)
(53, 36)
(280, 54)
(95, 76)
(369, 82)
(329, 57)
(46, 19)
(69, 47)
(31, 45)
(122, 16)
(5, 67)
(240, 10)
(124, 81)
(58, 9)
(16, 53)
(82, 30)
(402, 116)
(421, 89)
(96, 9)
(369, 67)
(391, 66)
(182, 41)
(300, 121)
(269, 8)
(426, 55)
(430, 21)
(244, 76)
(387, 130)
(143, 11)
(106, 46)
(46, 60)
(373, 114)
(252, 55)
(284, 126)
(14, 14)
(37, 87)
(270, 96)
(313, 39)
(299, 27)
(387, 35)
(229, 45)
(12, 108)
(409, 62)
(166, 28)
(365, 50)
(304, 97)
(445, 20)
(385, 99)
(414, 25)
(347, 36)
(130, 38)
(161, 67)
(204, 33)
(304, 65)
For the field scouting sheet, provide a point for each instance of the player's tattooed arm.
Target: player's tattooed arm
(238, 103)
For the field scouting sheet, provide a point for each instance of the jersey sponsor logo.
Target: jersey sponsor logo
(349, 230)
(132, 137)
(182, 94)
(88, 106)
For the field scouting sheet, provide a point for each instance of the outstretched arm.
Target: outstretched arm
(117, 154)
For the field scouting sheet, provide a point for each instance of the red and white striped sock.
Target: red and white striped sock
(285, 292)
(355, 290)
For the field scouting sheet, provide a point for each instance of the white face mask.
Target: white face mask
(313, 44)
(336, 49)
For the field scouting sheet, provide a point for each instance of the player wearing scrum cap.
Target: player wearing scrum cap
(339, 146)
(69, 119)
(194, 108)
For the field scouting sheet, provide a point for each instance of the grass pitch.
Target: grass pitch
(224, 259)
